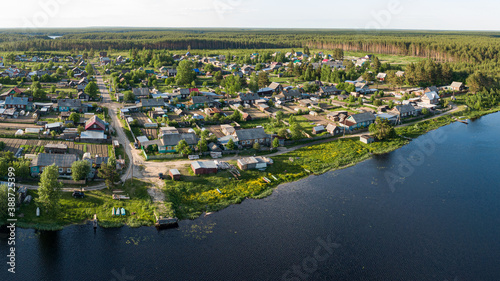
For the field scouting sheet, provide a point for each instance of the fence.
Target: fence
(160, 157)
(72, 182)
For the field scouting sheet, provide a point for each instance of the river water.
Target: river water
(428, 211)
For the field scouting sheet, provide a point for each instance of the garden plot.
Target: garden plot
(140, 117)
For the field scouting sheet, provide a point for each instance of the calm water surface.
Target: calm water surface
(440, 221)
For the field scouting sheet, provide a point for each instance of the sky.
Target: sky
(328, 14)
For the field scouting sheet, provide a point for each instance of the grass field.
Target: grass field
(139, 209)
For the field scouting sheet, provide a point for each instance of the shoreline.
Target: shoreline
(428, 125)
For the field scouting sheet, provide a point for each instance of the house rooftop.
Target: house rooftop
(69, 103)
(204, 165)
(61, 160)
(251, 134)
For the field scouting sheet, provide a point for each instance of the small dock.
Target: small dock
(163, 223)
(466, 122)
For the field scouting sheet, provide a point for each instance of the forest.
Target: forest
(460, 52)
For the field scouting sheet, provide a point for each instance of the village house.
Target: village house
(147, 104)
(96, 124)
(227, 129)
(248, 98)
(276, 87)
(170, 141)
(71, 105)
(457, 86)
(247, 137)
(328, 91)
(201, 101)
(211, 111)
(406, 110)
(431, 89)
(83, 96)
(430, 98)
(288, 95)
(334, 130)
(17, 103)
(62, 161)
(140, 93)
(360, 120)
(381, 76)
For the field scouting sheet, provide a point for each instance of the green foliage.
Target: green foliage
(49, 191)
(80, 170)
(109, 173)
(276, 142)
(230, 144)
(381, 129)
(75, 117)
(185, 73)
(263, 80)
(483, 99)
(256, 146)
(91, 89)
(128, 96)
(4, 201)
(89, 69)
(183, 148)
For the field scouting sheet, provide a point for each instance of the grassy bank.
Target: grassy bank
(75, 211)
(197, 194)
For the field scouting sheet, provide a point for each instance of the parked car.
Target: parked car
(136, 145)
(161, 176)
(78, 194)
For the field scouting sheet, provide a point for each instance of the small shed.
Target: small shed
(174, 174)
(56, 148)
(318, 129)
(204, 167)
(367, 139)
(142, 139)
(258, 162)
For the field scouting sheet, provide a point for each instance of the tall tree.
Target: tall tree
(89, 69)
(80, 170)
(263, 79)
(49, 191)
(91, 89)
(109, 173)
(185, 73)
(382, 129)
(75, 117)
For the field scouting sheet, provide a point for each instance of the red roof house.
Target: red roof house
(95, 124)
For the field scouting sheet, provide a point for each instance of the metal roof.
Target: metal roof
(61, 160)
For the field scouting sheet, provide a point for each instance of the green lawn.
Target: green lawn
(139, 209)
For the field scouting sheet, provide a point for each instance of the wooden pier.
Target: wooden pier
(163, 223)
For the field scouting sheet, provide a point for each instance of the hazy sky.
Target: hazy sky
(385, 14)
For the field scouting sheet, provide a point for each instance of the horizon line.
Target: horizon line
(249, 28)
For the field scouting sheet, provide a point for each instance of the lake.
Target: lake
(428, 211)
